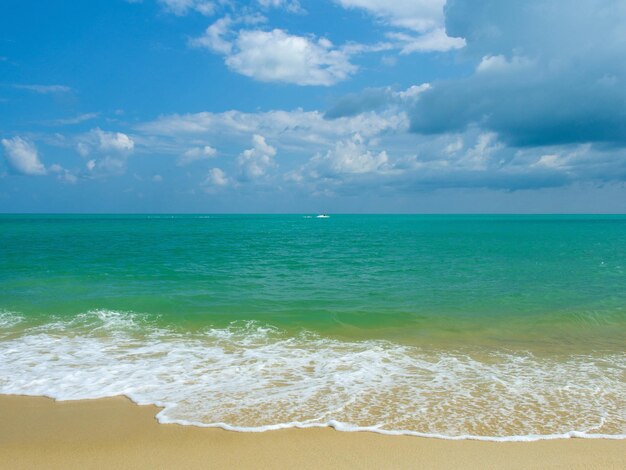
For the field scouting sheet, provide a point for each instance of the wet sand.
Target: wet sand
(114, 433)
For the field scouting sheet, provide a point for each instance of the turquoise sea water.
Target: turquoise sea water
(483, 326)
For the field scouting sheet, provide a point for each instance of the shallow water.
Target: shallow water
(505, 327)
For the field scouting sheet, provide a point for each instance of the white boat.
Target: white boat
(322, 216)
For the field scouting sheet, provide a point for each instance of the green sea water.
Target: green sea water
(484, 291)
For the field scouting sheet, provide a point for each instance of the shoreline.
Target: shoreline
(38, 432)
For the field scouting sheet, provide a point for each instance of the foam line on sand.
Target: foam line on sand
(38, 432)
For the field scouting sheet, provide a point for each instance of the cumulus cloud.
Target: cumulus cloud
(276, 56)
(216, 179)
(195, 154)
(116, 141)
(547, 73)
(473, 159)
(369, 149)
(104, 141)
(108, 151)
(298, 133)
(256, 161)
(281, 57)
(23, 156)
(350, 156)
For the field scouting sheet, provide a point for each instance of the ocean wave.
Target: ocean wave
(253, 377)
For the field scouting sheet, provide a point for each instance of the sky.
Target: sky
(298, 106)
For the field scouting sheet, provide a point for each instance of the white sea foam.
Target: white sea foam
(250, 377)
(9, 319)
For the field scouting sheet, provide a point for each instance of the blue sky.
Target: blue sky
(310, 106)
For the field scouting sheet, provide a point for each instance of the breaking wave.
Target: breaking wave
(253, 377)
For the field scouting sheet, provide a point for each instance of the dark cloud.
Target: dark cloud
(548, 72)
(371, 99)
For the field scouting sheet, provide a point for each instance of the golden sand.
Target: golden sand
(114, 433)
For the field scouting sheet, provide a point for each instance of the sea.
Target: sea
(491, 327)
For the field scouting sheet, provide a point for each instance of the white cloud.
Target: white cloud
(115, 141)
(277, 56)
(23, 156)
(419, 15)
(44, 89)
(182, 7)
(83, 149)
(254, 162)
(209, 7)
(413, 91)
(195, 154)
(372, 149)
(214, 37)
(499, 63)
(296, 133)
(74, 120)
(107, 166)
(480, 156)
(292, 127)
(217, 177)
(289, 5)
(104, 141)
(63, 174)
(350, 156)
(433, 41)
(423, 18)
(109, 151)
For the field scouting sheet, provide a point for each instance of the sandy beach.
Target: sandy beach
(115, 433)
